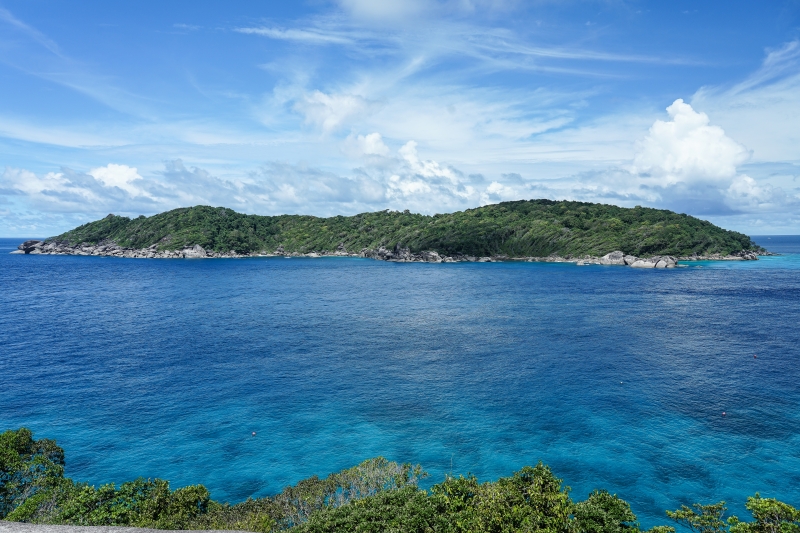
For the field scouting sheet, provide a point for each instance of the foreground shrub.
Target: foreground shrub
(27, 468)
(375, 496)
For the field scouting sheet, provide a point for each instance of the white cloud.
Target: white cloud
(21, 181)
(385, 10)
(427, 169)
(688, 149)
(7, 17)
(365, 145)
(476, 138)
(331, 111)
(302, 35)
(121, 176)
(778, 64)
(45, 60)
(691, 167)
(763, 110)
(501, 42)
(747, 195)
(399, 180)
(14, 128)
(75, 192)
(688, 164)
(498, 192)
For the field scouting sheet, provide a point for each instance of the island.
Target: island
(525, 230)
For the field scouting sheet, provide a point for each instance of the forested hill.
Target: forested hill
(516, 229)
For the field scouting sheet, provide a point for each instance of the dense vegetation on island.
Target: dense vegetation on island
(375, 496)
(535, 228)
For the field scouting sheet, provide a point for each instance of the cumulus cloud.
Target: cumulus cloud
(69, 191)
(685, 163)
(402, 179)
(21, 181)
(429, 169)
(688, 149)
(366, 145)
(691, 165)
(499, 192)
(747, 195)
(120, 176)
(427, 185)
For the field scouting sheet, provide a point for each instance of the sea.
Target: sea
(666, 387)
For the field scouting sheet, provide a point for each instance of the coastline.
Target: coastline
(395, 255)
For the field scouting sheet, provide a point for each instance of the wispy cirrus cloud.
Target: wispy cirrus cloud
(762, 110)
(684, 161)
(7, 17)
(445, 39)
(57, 135)
(507, 42)
(428, 105)
(186, 27)
(391, 11)
(782, 62)
(301, 35)
(46, 60)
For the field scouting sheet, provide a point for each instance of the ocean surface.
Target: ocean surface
(616, 377)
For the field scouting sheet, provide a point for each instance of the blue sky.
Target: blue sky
(339, 107)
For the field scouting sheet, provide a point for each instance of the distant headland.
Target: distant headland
(534, 230)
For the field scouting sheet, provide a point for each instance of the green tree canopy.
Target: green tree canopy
(516, 229)
(27, 467)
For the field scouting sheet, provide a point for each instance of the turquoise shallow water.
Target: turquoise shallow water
(616, 377)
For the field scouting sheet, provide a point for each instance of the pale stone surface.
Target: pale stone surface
(614, 258)
(195, 252)
(431, 257)
(396, 254)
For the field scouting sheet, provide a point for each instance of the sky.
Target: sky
(340, 107)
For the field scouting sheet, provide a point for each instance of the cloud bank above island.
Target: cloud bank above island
(432, 107)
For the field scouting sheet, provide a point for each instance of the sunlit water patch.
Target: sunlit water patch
(616, 377)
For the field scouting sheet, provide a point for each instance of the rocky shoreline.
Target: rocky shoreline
(396, 254)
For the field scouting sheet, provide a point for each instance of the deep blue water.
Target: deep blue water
(780, 244)
(615, 377)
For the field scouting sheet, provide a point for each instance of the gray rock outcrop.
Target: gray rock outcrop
(668, 260)
(431, 257)
(614, 258)
(397, 253)
(743, 255)
(662, 261)
(29, 246)
(195, 252)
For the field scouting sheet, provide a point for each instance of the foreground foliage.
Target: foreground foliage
(375, 496)
(517, 229)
